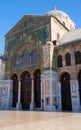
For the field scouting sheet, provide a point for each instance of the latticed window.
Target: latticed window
(68, 59)
(26, 58)
(78, 57)
(17, 61)
(59, 61)
(34, 57)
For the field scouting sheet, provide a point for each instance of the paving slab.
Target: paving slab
(26, 120)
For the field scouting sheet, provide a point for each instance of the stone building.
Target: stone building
(2, 67)
(5, 86)
(69, 69)
(43, 61)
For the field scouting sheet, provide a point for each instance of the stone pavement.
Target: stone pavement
(26, 120)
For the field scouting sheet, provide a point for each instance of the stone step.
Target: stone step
(37, 109)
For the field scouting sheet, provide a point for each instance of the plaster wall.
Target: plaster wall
(56, 27)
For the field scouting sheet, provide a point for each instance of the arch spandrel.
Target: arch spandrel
(63, 72)
(66, 74)
(25, 46)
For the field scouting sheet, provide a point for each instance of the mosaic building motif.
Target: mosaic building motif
(43, 66)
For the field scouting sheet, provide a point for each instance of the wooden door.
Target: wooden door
(66, 93)
(26, 91)
(15, 90)
(37, 89)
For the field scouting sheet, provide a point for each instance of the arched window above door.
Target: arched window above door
(26, 58)
(68, 59)
(17, 60)
(34, 57)
(77, 57)
(59, 61)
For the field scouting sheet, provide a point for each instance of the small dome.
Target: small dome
(57, 13)
(62, 17)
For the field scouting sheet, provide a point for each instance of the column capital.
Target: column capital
(73, 80)
(32, 76)
(19, 78)
(49, 42)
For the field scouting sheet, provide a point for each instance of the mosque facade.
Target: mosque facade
(43, 64)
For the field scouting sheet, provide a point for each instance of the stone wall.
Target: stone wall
(2, 69)
(6, 94)
(73, 69)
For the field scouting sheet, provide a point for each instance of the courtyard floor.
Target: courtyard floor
(24, 120)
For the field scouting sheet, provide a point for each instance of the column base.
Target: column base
(18, 106)
(32, 106)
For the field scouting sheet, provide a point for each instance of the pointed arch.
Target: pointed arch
(66, 92)
(68, 59)
(59, 61)
(77, 57)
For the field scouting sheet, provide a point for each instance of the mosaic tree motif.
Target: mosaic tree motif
(43, 34)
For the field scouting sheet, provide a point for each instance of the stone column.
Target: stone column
(59, 102)
(18, 106)
(75, 95)
(32, 95)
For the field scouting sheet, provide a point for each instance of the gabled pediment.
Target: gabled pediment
(27, 21)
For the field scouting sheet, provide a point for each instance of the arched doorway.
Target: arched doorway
(37, 88)
(66, 93)
(79, 79)
(25, 90)
(15, 90)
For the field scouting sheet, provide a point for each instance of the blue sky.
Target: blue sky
(11, 11)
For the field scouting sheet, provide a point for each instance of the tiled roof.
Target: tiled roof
(70, 37)
(2, 57)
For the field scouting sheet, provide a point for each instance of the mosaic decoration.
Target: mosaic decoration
(38, 37)
(43, 34)
(35, 34)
